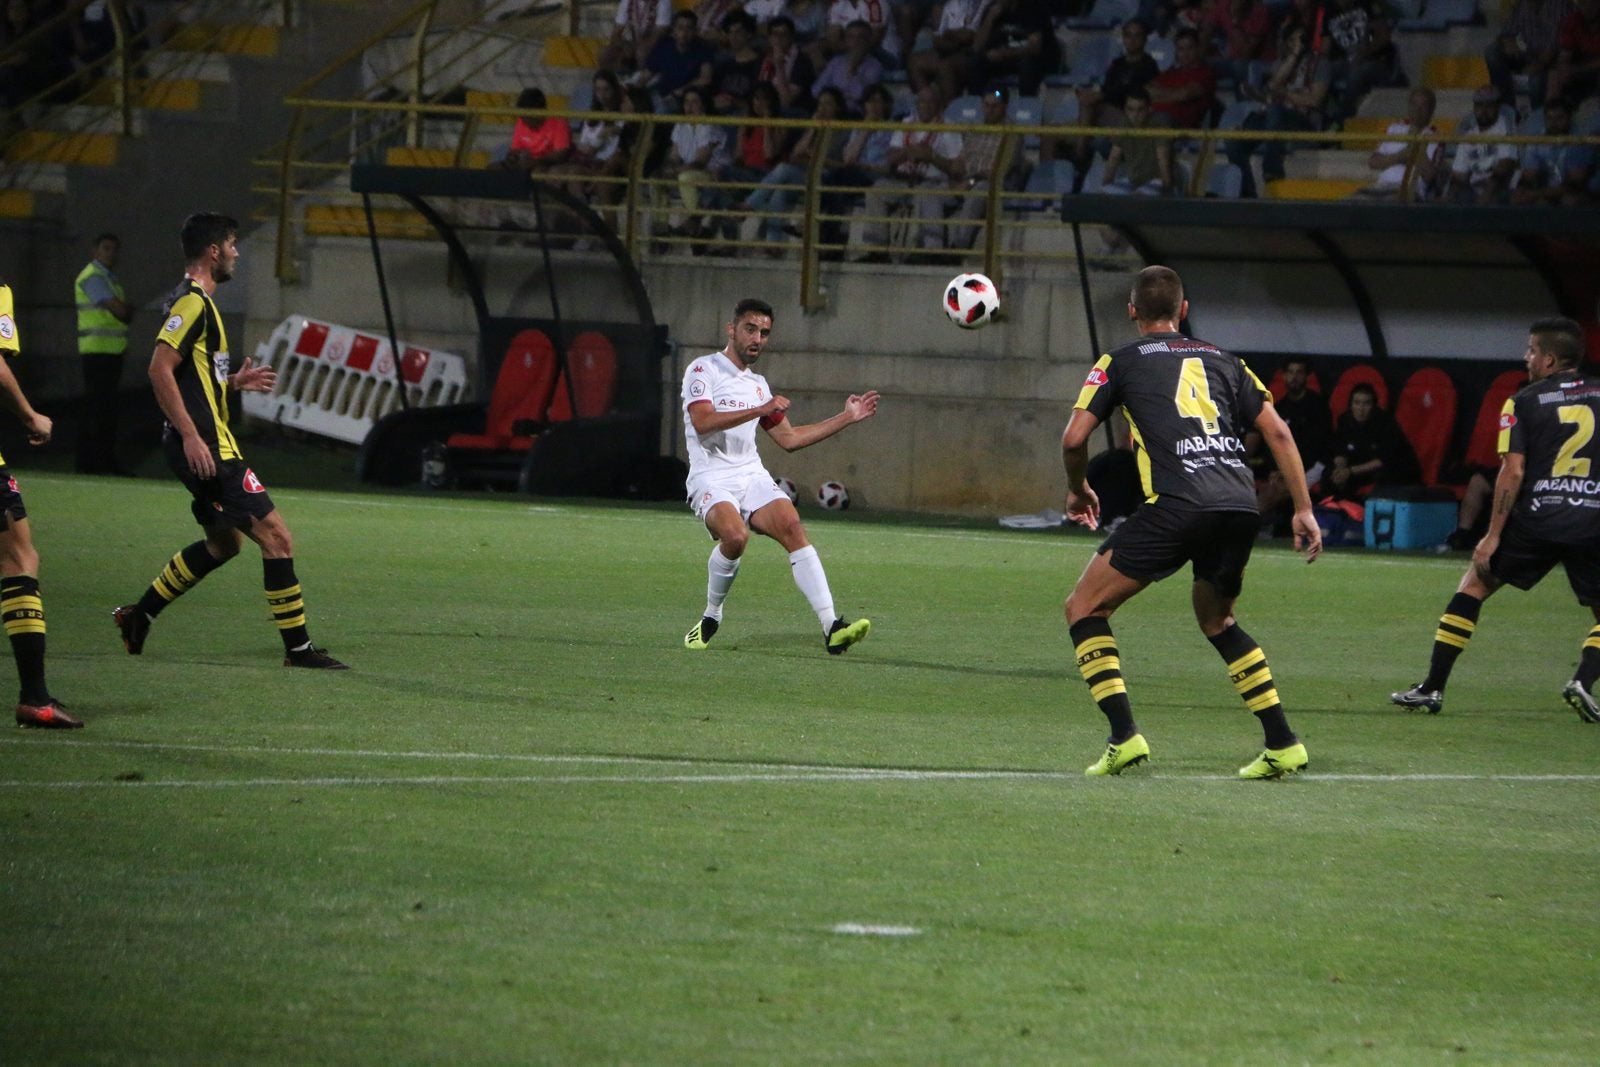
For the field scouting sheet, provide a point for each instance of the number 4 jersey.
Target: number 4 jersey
(1189, 405)
(1551, 422)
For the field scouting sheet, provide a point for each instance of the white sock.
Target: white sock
(720, 571)
(806, 566)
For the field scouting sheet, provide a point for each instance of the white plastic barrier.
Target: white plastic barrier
(337, 382)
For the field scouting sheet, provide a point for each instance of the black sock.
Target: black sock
(1101, 668)
(181, 574)
(1589, 665)
(23, 613)
(1456, 626)
(1252, 679)
(283, 597)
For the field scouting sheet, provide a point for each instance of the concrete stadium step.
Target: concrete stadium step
(50, 146)
(17, 203)
(1313, 188)
(236, 40)
(165, 94)
(1329, 164)
(1453, 103)
(40, 178)
(405, 156)
(341, 220)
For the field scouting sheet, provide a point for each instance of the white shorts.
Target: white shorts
(748, 491)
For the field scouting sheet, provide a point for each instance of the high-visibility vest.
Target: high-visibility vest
(99, 331)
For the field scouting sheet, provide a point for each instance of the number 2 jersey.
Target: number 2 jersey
(1551, 423)
(1189, 405)
(714, 379)
(191, 324)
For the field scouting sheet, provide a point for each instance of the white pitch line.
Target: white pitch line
(874, 930)
(527, 779)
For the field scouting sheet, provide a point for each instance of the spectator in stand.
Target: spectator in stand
(774, 201)
(1482, 172)
(918, 159)
(758, 147)
(854, 70)
(1526, 45)
(1307, 415)
(1577, 72)
(787, 68)
(764, 11)
(1017, 39)
(842, 14)
(951, 60)
(678, 61)
(1306, 16)
(1295, 92)
(910, 16)
(699, 154)
(638, 26)
(1555, 174)
(711, 20)
(1368, 450)
(863, 162)
(538, 145)
(1185, 93)
(810, 18)
(1390, 158)
(738, 68)
(1246, 29)
(1140, 165)
(597, 146)
(25, 73)
(1133, 69)
(971, 178)
(1362, 52)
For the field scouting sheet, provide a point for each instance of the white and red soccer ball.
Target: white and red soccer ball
(833, 496)
(787, 488)
(971, 301)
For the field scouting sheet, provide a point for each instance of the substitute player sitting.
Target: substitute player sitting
(1190, 405)
(1546, 511)
(724, 399)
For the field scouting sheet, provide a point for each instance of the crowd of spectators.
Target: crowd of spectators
(46, 52)
(1286, 66)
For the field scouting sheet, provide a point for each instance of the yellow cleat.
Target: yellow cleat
(844, 634)
(1119, 756)
(1277, 762)
(701, 634)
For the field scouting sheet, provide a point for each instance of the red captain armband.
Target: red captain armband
(771, 419)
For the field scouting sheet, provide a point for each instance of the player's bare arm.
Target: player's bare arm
(857, 408)
(1082, 505)
(39, 426)
(707, 419)
(164, 364)
(1507, 487)
(1280, 442)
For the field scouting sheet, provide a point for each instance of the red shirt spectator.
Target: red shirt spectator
(550, 136)
(1187, 91)
(1246, 24)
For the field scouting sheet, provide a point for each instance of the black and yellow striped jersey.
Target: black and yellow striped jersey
(10, 341)
(192, 326)
(1189, 405)
(1551, 423)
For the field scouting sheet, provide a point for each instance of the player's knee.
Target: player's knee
(734, 542)
(22, 559)
(1079, 607)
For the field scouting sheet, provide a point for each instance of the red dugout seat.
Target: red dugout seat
(1278, 389)
(592, 362)
(1360, 374)
(1483, 449)
(521, 391)
(1426, 412)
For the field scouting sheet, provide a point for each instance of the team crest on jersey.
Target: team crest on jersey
(174, 324)
(11, 483)
(697, 389)
(761, 394)
(1507, 420)
(8, 329)
(1096, 377)
(219, 367)
(252, 484)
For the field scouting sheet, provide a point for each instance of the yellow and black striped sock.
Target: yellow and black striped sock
(181, 574)
(1589, 664)
(23, 613)
(1101, 668)
(283, 597)
(1456, 625)
(1252, 679)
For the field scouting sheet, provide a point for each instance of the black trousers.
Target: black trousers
(97, 436)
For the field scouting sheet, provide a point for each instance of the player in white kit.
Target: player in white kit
(724, 399)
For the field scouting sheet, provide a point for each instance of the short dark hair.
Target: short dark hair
(1157, 294)
(1304, 361)
(685, 13)
(1365, 387)
(204, 229)
(751, 305)
(1188, 33)
(738, 17)
(107, 237)
(531, 100)
(1137, 93)
(1561, 338)
(780, 20)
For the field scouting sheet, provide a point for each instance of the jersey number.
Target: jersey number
(1194, 396)
(1568, 463)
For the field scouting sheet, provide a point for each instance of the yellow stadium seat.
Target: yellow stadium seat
(48, 146)
(582, 53)
(335, 220)
(404, 156)
(16, 204)
(1374, 125)
(1313, 188)
(167, 94)
(1454, 72)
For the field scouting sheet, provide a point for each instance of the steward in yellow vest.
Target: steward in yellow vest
(103, 317)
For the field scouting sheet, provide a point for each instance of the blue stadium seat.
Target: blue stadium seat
(1050, 181)
(1091, 58)
(1163, 50)
(1226, 181)
(964, 109)
(1104, 15)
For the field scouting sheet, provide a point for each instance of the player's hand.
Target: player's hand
(39, 427)
(1307, 535)
(778, 406)
(252, 379)
(198, 454)
(1083, 508)
(862, 405)
(1483, 553)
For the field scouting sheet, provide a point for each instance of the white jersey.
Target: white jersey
(714, 378)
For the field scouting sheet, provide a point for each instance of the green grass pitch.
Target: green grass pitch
(530, 827)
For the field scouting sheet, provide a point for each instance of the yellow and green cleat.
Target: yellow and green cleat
(1276, 762)
(701, 634)
(844, 634)
(1119, 756)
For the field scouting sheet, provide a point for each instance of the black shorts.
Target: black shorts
(230, 501)
(11, 507)
(1523, 559)
(1154, 542)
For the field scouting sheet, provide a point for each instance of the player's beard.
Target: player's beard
(220, 274)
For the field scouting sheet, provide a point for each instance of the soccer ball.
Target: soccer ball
(787, 488)
(833, 496)
(971, 301)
